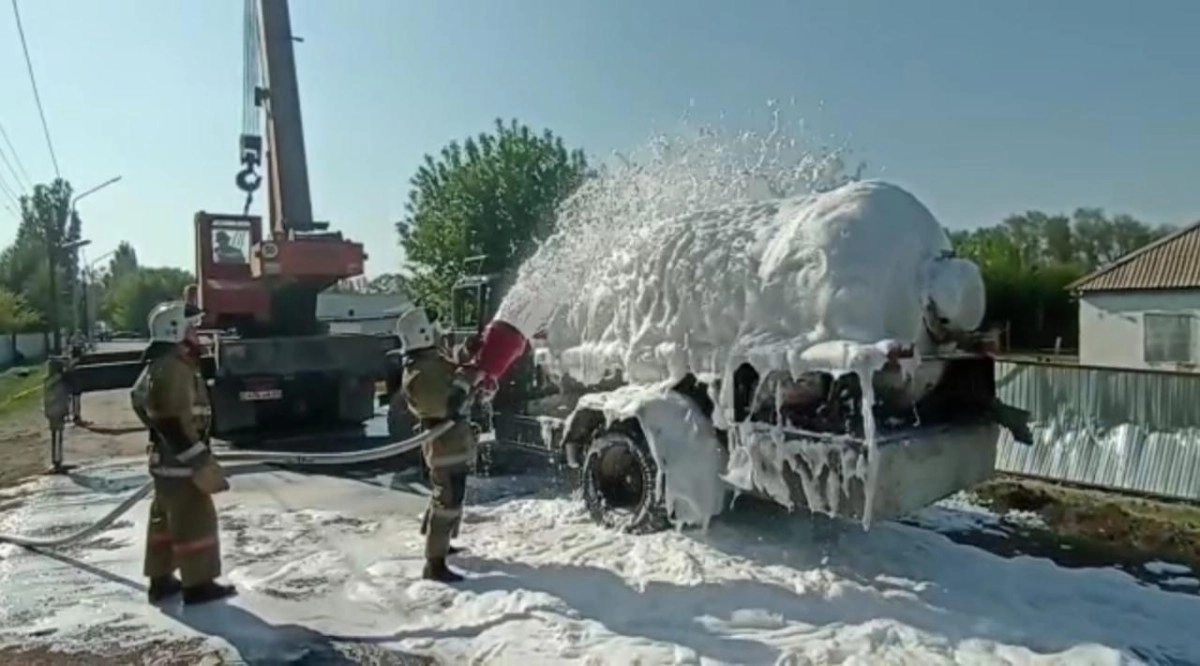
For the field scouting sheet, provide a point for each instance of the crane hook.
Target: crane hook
(247, 180)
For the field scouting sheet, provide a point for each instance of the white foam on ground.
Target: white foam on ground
(1165, 568)
(959, 513)
(324, 560)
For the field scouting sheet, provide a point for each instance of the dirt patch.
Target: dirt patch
(194, 653)
(112, 431)
(1094, 528)
(155, 652)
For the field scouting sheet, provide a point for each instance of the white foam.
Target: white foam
(1164, 568)
(547, 587)
(808, 282)
(761, 283)
(715, 249)
(682, 441)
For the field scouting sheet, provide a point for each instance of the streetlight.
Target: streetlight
(53, 251)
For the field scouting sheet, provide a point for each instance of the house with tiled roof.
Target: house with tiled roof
(1143, 310)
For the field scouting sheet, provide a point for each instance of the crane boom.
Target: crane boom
(290, 200)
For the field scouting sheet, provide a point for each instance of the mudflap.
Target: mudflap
(914, 470)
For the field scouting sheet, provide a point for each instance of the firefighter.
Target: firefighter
(436, 392)
(171, 400)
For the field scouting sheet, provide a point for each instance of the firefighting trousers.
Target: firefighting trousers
(442, 518)
(182, 533)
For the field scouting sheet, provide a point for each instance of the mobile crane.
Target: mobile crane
(274, 364)
(272, 367)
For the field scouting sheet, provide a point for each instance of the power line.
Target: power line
(28, 185)
(37, 98)
(5, 188)
(16, 179)
(8, 192)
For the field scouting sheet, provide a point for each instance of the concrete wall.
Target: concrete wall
(1111, 331)
(33, 346)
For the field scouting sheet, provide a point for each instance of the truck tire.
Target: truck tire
(619, 478)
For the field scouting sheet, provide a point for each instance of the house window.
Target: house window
(1168, 338)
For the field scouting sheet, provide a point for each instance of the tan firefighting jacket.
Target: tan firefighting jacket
(172, 387)
(428, 386)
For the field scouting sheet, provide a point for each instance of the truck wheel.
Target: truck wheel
(619, 479)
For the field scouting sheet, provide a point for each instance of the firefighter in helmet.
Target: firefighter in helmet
(170, 397)
(436, 392)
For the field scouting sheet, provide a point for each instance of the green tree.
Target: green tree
(15, 315)
(123, 262)
(132, 297)
(493, 195)
(25, 266)
(1028, 260)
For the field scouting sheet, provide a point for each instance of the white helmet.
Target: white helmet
(170, 321)
(415, 330)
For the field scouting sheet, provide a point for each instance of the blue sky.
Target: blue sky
(981, 108)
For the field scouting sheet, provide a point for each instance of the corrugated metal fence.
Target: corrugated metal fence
(1105, 427)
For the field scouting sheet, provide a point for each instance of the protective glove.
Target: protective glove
(486, 389)
(210, 478)
(458, 404)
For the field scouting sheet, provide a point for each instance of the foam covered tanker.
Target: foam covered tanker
(821, 344)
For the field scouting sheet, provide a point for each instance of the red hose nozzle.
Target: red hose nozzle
(502, 344)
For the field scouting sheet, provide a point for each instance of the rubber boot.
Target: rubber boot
(163, 587)
(436, 569)
(206, 592)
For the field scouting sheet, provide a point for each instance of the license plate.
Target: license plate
(263, 394)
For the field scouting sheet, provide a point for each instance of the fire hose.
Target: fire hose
(244, 462)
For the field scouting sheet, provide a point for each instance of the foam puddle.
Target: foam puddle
(809, 282)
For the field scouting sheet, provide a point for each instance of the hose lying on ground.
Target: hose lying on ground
(244, 461)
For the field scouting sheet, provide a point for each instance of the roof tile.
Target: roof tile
(1172, 262)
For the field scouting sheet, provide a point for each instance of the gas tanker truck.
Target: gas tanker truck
(817, 351)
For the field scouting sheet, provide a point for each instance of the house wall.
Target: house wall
(1111, 331)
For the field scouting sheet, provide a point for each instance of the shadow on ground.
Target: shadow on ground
(257, 641)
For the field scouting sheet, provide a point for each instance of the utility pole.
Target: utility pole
(53, 248)
(74, 278)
